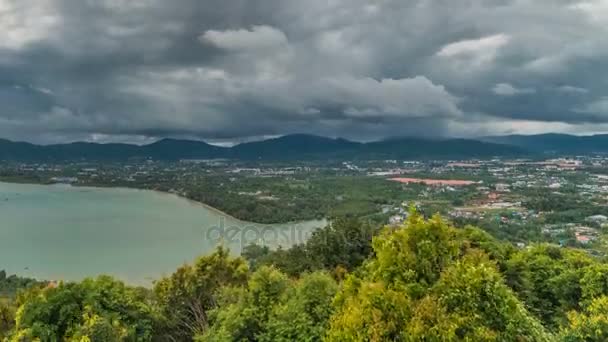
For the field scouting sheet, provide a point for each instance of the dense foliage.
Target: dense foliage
(10, 284)
(423, 281)
(101, 309)
(341, 246)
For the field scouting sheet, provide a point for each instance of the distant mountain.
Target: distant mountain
(289, 147)
(555, 143)
(182, 149)
(295, 146)
(20, 150)
(416, 148)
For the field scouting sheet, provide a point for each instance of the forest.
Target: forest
(352, 281)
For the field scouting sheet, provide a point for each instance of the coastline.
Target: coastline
(169, 194)
(201, 204)
(186, 236)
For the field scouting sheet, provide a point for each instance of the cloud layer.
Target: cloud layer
(115, 70)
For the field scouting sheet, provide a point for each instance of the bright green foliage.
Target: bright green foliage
(101, 309)
(97, 328)
(472, 302)
(594, 282)
(369, 311)
(426, 283)
(188, 294)
(591, 325)
(243, 313)
(415, 255)
(273, 308)
(304, 315)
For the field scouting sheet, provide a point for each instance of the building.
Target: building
(502, 187)
(492, 196)
(396, 220)
(597, 218)
(555, 186)
(64, 180)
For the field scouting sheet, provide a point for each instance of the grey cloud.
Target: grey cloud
(572, 89)
(506, 89)
(213, 69)
(598, 107)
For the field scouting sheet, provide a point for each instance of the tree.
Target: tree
(594, 282)
(101, 309)
(186, 297)
(304, 316)
(273, 308)
(548, 279)
(426, 283)
(471, 302)
(345, 243)
(369, 311)
(255, 255)
(591, 325)
(415, 255)
(475, 238)
(243, 312)
(7, 319)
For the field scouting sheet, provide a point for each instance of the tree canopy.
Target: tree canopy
(423, 281)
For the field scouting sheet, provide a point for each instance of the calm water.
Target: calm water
(62, 232)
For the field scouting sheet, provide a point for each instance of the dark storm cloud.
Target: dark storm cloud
(230, 70)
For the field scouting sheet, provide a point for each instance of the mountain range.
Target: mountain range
(302, 146)
(555, 143)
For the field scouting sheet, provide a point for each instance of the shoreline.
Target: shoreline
(13, 190)
(168, 194)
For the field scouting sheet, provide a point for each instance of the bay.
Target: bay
(60, 232)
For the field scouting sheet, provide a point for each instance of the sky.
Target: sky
(234, 70)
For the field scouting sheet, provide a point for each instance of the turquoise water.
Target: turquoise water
(60, 232)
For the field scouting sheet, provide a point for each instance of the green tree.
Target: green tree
(243, 313)
(345, 243)
(304, 315)
(548, 279)
(471, 302)
(591, 325)
(426, 282)
(415, 255)
(594, 282)
(273, 308)
(93, 310)
(186, 297)
(369, 311)
(7, 318)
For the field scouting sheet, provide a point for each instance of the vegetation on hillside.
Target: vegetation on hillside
(425, 280)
